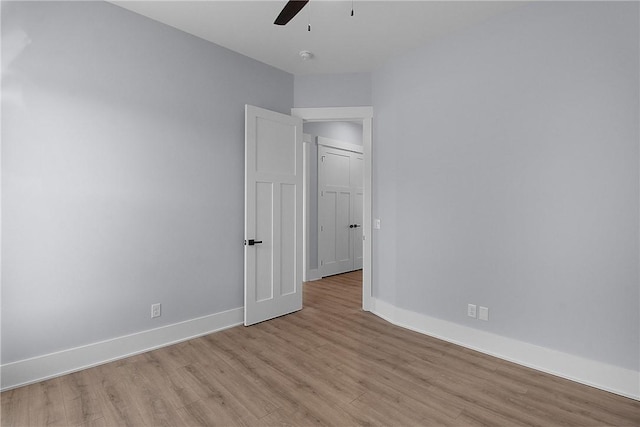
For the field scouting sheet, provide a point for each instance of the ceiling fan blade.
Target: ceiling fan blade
(290, 10)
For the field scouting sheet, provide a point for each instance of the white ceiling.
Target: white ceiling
(340, 43)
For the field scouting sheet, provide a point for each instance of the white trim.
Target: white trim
(329, 114)
(624, 382)
(314, 274)
(52, 365)
(340, 145)
(364, 114)
(307, 140)
(367, 142)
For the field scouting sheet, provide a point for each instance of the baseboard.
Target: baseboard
(313, 274)
(624, 382)
(40, 368)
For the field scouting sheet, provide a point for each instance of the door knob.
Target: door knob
(350, 225)
(252, 242)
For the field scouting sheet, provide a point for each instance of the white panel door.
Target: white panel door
(334, 211)
(357, 188)
(340, 204)
(273, 215)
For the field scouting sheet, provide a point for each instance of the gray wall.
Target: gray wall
(122, 173)
(332, 90)
(342, 131)
(507, 175)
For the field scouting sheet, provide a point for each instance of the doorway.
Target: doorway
(363, 115)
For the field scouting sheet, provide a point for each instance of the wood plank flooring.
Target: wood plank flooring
(329, 364)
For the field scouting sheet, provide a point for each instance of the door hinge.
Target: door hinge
(321, 262)
(321, 228)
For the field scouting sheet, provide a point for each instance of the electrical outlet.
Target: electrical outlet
(471, 310)
(483, 313)
(156, 310)
(376, 224)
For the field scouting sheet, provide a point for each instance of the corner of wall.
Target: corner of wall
(614, 379)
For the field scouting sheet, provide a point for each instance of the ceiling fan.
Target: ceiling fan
(290, 10)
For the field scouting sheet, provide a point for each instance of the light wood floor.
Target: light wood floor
(330, 364)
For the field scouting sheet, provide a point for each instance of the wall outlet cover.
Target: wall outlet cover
(483, 313)
(156, 310)
(471, 310)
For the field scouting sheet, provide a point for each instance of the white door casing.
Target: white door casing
(364, 115)
(273, 215)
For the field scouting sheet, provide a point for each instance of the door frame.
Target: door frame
(364, 114)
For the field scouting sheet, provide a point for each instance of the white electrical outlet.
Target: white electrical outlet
(376, 224)
(156, 310)
(471, 310)
(483, 313)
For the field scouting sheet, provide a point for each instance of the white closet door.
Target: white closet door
(340, 204)
(357, 188)
(334, 211)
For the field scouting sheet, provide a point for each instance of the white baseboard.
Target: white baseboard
(624, 382)
(617, 380)
(313, 274)
(40, 368)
